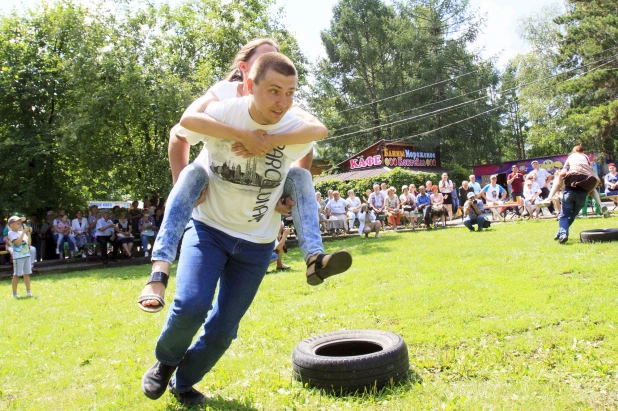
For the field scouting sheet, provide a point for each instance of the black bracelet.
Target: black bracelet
(158, 276)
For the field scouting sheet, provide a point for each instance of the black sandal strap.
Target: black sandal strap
(318, 264)
(158, 276)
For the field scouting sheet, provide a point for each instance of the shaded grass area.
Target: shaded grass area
(505, 319)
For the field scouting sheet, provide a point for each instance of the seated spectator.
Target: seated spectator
(392, 208)
(64, 233)
(353, 203)
(384, 189)
(80, 228)
(367, 195)
(376, 202)
(368, 221)
(92, 222)
(147, 228)
(531, 195)
(429, 187)
(280, 249)
(115, 211)
(329, 196)
(61, 214)
(106, 232)
(472, 213)
(611, 181)
(413, 190)
(475, 186)
(494, 194)
(438, 211)
(408, 205)
(423, 204)
(336, 214)
(158, 217)
(124, 238)
(321, 204)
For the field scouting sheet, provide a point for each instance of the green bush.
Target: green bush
(396, 178)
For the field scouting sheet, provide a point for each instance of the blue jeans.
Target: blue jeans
(145, 239)
(480, 221)
(209, 256)
(572, 203)
(59, 239)
(298, 185)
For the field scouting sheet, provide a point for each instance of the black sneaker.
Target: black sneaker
(154, 381)
(193, 397)
(563, 238)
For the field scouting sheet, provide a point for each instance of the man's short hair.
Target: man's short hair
(271, 61)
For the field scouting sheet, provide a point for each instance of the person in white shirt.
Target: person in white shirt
(408, 205)
(531, 194)
(248, 143)
(368, 221)
(106, 233)
(336, 214)
(228, 245)
(494, 194)
(353, 204)
(80, 228)
(541, 176)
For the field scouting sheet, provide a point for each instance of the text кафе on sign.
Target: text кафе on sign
(383, 154)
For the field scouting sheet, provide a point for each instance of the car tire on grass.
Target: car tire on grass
(599, 235)
(351, 361)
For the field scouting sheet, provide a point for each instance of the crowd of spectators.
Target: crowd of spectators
(432, 205)
(61, 235)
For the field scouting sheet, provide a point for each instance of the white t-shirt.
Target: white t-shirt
(352, 203)
(494, 193)
(337, 206)
(23, 249)
(242, 193)
(541, 177)
(529, 192)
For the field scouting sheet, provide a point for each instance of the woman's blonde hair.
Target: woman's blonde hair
(246, 52)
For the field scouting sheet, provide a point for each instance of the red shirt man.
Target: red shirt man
(516, 180)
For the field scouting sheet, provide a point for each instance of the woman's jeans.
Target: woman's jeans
(572, 203)
(145, 239)
(61, 238)
(298, 185)
(209, 256)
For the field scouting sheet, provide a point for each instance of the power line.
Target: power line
(400, 122)
(440, 101)
(609, 60)
(408, 92)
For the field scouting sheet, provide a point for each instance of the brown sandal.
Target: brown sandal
(338, 263)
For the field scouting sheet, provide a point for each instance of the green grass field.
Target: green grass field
(502, 320)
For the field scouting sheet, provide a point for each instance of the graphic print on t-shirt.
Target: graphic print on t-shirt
(252, 171)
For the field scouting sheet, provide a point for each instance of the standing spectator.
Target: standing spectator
(336, 213)
(408, 205)
(472, 213)
(423, 203)
(18, 238)
(64, 233)
(80, 228)
(541, 176)
(368, 222)
(106, 233)
(48, 245)
(516, 180)
(475, 186)
(321, 202)
(494, 194)
(35, 235)
(146, 226)
(611, 181)
(93, 218)
(376, 201)
(353, 203)
(135, 214)
(447, 188)
(464, 190)
(438, 210)
(124, 238)
(392, 208)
